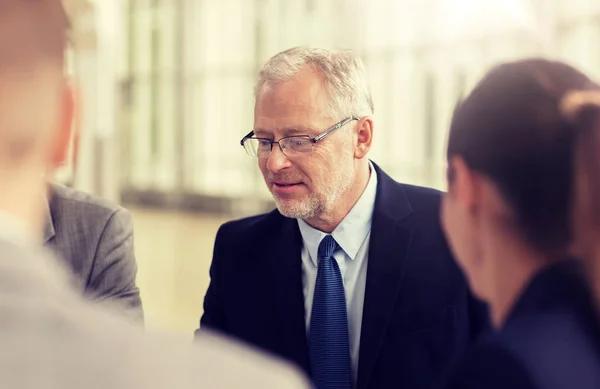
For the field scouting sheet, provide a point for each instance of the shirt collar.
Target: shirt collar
(354, 228)
(15, 230)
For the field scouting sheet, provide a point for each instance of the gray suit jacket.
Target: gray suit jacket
(52, 338)
(95, 239)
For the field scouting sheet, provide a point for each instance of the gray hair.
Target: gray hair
(344, 73)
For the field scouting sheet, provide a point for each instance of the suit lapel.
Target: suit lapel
(49, 231)
(286, 262)
(387, 255)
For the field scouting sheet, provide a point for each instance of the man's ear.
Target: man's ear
(66, 124)
(364, 132)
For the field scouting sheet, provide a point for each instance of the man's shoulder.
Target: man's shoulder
(422, 193)
(417, 198)
(423, 203)
(423, 199)
(250, 226)
(73, 203)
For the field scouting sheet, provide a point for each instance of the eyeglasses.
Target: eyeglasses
(291, 146)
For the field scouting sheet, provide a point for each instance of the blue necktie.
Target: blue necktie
(328, 344)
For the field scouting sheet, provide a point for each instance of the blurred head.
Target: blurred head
(583, 109)
(35, 102)
(303, 92)
(510, 164)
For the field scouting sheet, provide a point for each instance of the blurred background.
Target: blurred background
(166, 95)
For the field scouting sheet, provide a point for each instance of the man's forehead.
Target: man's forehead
(285, 124)
(281, 99)
(273, 109)
(306, 87)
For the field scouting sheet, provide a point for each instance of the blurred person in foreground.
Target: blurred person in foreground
(50, 337)
(507, 217)
(350, 277)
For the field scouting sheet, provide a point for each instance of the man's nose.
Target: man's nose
(277, 160)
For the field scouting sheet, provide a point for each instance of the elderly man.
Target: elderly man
(50, 336)
(350, 277)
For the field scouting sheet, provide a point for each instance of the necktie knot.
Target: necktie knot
(327, 247)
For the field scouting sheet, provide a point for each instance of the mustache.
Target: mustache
(285, 177)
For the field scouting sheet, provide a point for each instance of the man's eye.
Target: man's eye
(299, 142)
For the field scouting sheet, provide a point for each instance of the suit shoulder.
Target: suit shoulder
(250, 226)
(420, 196)
(554, 349)
(72, 201)
(551, 336)
(424, 204)
(489, 365)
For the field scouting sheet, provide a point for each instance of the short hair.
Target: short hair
(343, 72)
(33, 38)
(32, 30)
(511, 129)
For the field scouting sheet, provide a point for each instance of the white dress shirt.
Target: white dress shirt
(15, 230)
(352, 235)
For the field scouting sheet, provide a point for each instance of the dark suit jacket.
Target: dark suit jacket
(95, 239)
(550, 340)
(418, 313)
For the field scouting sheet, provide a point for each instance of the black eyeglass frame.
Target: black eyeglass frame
(314, 140)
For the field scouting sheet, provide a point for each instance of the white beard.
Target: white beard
(318, 203)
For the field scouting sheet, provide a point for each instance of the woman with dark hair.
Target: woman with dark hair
(507, 218)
